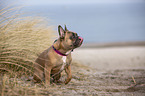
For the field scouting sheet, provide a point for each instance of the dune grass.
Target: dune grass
(21, 40)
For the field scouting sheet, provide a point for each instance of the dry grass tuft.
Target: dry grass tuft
(21, 40)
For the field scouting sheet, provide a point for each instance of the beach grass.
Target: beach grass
(21, 40)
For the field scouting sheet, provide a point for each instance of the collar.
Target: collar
(58, 52)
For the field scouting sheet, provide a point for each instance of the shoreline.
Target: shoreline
(113, 44)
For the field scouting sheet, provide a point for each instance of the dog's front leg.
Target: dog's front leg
(69, 75)
(47, 74)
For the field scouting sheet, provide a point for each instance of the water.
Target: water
(97, 22)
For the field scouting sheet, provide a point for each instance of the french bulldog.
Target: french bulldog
(51, 62)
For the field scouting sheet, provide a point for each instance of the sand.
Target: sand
(111, 58)
(106, 71)
(117, 71)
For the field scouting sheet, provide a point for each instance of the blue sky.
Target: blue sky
(62, 2)
(118, 23)
(47, 2)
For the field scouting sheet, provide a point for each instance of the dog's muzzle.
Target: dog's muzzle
(78, 42)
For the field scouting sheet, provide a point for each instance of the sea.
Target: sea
(96, 23)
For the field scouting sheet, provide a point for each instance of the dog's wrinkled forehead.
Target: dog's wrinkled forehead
(70, 33)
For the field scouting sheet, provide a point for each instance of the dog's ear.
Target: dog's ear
(61, 32)
(66, 28)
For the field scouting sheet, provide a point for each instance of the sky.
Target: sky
(128, 18)
(45, 2)
(55, 2)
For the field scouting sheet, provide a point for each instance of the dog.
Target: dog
(51, 62)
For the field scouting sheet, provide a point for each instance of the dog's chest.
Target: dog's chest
(64, 62)
(64, 59)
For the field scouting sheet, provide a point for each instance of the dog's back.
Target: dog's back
(39, 66)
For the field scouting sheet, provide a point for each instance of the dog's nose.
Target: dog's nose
(80, 39)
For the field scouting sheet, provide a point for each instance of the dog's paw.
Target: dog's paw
(59, 82)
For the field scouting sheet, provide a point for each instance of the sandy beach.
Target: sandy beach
(105, 71)
(117, 71)
(111, 58)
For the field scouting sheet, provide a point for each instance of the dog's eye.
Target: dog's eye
(73, 36)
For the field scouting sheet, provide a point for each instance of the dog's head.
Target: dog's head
(69, 39)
